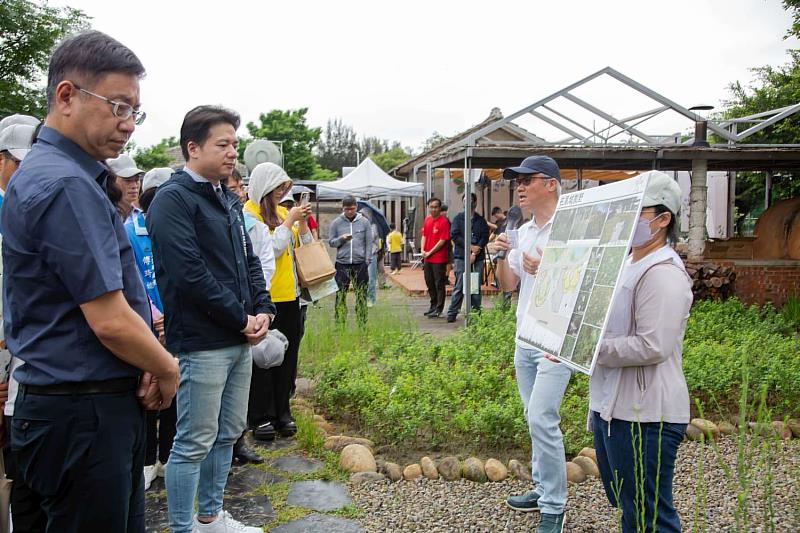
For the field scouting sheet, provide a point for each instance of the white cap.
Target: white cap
(18, 119)
(289, 197)
(123, 166)
(155, 177)
(662, 190)
(17, 139)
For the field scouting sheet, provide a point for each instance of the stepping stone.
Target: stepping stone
(297, 465)
(320, 523)
(156, 516)
(250, 510)
(318, 495)
(277, 444)
(246, 479)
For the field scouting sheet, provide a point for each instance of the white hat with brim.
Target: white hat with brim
(123, 166)
(17, 139)
(155, 177)
(264, 178)
(18, 119)
(662, 190)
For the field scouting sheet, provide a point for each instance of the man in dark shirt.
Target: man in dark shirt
(474, 263)
(75, 309)
(215, 303)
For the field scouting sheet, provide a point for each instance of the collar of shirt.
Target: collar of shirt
(92, 167)
(197, 177)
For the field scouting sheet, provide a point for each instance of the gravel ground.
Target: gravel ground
(463, 506)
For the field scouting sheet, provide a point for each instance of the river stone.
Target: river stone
(320, 523)
(412, 472)
(357, 458)
(694, 433)
(495, 470)
(337, 443)
(726, 428)
(318, 495)
(588, 466)
(297, 465)
(428, 468)
(591, 453)
(449, 468)
(519, 470)
(794, 425)
(575, 473)
(359, 478)
(474, 470)
(706, 426)
(305, 386)
(781, 430)
(393, 471)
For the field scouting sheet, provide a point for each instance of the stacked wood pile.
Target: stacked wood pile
(710, 281)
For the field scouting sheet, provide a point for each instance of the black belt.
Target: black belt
(108, 386)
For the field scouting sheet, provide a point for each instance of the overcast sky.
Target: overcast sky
(401, 70)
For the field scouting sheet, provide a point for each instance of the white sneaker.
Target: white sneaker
(150, 474)
(161, 469)
(223, 524)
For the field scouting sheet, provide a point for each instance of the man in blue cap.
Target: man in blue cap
(541, 382)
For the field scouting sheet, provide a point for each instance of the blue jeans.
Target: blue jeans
(212, 409)
(459, 266)
(627, 451)
(541, 386)
(372, 286)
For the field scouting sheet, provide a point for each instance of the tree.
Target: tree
(772, 88)
(29, 33)
(338, 146)
(298, 139)
(392, 158)
(433, 141)
(156, 155)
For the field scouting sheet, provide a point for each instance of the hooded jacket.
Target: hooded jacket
(208, 275)
(358, 249)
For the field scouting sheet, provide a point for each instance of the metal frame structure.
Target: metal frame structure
(580, 134)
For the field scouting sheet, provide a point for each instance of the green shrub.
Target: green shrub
(402, 388)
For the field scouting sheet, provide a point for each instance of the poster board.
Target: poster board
(577, 277)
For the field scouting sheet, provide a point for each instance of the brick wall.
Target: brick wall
(762, 281)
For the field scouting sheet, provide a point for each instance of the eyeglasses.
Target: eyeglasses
(121, 110)
(526, 180)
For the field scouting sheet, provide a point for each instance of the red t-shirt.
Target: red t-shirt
(312, 224)
(434, 231)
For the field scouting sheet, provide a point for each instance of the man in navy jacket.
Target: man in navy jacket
(215, 305)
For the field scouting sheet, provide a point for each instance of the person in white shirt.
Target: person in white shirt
(541, 382)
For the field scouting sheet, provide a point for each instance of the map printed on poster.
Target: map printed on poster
(589, 242)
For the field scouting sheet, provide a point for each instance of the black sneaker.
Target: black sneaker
(436, 314)
(264, 433)
(244, 455)
(287, 429)
(525, 503)
(551, 523)
(451, 318)
(429, 311)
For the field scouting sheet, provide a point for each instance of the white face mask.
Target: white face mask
(642, 234)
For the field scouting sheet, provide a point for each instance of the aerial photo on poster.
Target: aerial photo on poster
(578, 273)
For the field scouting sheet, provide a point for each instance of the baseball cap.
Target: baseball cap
(288, 197)
(18, 119)
(535, 164)
(662, 190)
(123, 166)
(270, 351)
(17, 139)
(153, 178)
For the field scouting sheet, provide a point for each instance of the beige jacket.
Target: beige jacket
(639, 373)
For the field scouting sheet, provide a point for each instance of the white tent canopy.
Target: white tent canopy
(368, 181)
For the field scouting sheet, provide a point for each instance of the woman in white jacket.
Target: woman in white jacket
(639, 401)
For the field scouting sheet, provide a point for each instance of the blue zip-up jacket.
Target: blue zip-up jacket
(143, 250)
(208, 276)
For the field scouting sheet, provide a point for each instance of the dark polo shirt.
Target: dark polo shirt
(64, 245)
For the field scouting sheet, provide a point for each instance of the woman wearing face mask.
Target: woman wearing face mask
(639, 402)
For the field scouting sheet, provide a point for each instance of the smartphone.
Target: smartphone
(304, 198)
